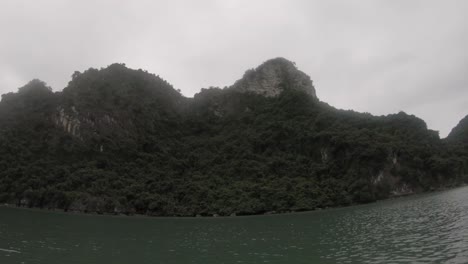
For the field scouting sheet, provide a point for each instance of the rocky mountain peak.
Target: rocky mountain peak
(274, 76)
(460, 132)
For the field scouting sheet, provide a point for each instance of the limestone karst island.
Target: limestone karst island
(124, 141)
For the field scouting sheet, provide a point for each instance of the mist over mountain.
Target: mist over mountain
(124, 141)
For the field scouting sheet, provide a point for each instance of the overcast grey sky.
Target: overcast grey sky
(371, 56)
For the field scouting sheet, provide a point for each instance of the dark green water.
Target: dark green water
(430, 228)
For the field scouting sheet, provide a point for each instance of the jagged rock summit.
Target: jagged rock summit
(274, 76)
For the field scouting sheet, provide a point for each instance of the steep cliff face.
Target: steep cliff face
(118, 140)
(68, 120)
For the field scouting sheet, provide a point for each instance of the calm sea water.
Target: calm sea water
(430, 228)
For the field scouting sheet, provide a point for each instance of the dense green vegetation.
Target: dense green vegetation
(118, 140)
(459, 134)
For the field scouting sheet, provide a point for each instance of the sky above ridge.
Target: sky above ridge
(373, 56)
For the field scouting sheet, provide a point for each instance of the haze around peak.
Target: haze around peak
(370, 56)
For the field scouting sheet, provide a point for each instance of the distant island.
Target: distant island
(124, 141)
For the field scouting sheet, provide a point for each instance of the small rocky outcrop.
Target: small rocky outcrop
(273, 77)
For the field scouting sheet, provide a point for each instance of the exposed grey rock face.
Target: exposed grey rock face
(74, 123)
(274, 76)
(69, 122)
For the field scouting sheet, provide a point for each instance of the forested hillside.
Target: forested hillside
(459, 134)
(124, 141)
